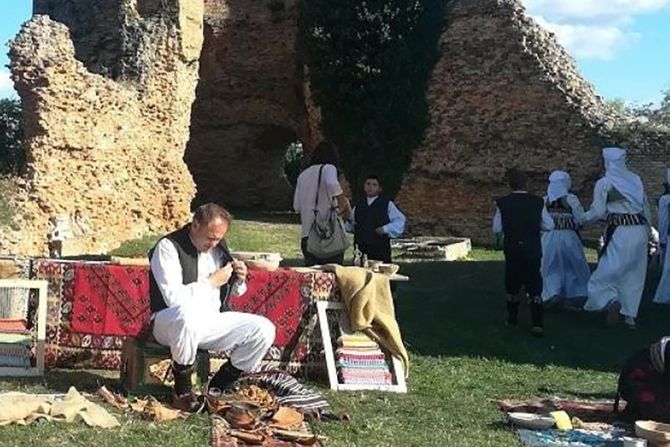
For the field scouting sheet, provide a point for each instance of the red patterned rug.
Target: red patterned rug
(110, 299)
(64, 347)
(276, 295)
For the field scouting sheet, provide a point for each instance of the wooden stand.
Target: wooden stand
(138, 355)
(41, 321)
(399, 385)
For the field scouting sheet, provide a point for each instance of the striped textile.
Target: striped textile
(618, 220)
(563, 221)
(14, 326)
(15, 354)
(377, 365)
(345, 354)
(360, 344)
(357, 351)
(24, 339)
(14, 361)
(366, 377)
(14, 303)
(289, 392)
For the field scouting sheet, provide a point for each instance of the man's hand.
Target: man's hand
(240, 269)
(380, 231)
(221, 276)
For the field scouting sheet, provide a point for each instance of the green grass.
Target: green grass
(462, 357)
(278, 232)
(244, 235)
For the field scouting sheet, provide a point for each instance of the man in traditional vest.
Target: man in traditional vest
(617, 283)
(376, 220)
(192, 274)
(520, 218)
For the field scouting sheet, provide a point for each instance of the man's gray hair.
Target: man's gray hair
(209, 212)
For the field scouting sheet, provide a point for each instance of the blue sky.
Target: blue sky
(621, 46)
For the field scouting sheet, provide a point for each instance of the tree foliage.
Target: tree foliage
(369, 64)
(12, 156)
(650, 113)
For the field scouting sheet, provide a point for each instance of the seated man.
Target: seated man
(192, 274)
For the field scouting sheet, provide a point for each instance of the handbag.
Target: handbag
(327, 237)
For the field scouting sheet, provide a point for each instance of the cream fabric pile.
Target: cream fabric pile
(23, 409)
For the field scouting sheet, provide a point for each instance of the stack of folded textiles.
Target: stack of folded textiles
(15, 343)
(360, 361)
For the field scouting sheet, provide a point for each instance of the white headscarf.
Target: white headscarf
(559, 185)
(626, 182)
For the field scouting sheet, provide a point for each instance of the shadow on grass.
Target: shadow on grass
(458, 309)
(60, 381)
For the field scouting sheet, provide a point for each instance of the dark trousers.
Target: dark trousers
(311, 260)
(523, 271)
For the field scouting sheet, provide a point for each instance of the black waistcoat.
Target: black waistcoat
(188, 259)
(370, 217)
(522, 222)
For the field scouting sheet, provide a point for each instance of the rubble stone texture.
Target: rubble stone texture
(249, 103)
(107, 98)
(504, 93)
(108, 86)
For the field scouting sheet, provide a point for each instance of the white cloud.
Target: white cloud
(593, 29)
(6, 84)
(593, 9)
(591, 41)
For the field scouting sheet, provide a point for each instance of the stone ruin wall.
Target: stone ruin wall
(249, 104)
(504, 93)
(106, 136)
(108, 109)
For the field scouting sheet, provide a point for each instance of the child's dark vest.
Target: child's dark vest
(188, 259)
(522, 222)
(368, 218)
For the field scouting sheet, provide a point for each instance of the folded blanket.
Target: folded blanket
(14, 326)
(367, 298)
(367, 367)
(360, 356)
(24, 339)
(360, 344)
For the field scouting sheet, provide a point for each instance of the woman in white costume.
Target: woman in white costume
(565, 271)
(618, 281)
(663, 290)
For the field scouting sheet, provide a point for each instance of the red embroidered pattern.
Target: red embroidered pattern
(110, 299)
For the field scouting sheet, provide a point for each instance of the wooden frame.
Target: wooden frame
(398, 371)
(41, 286)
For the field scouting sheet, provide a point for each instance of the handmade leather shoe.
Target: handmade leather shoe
(188, 402)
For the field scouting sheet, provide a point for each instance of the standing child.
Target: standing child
(521, 217)
(376, 220)
(565, 271)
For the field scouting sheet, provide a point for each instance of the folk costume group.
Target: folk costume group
(544, 254)
(193, 273)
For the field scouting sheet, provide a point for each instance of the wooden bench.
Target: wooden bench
(138, 355)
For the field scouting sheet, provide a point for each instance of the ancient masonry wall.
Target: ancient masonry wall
(105, 137)
(249, 104)
(504, 93)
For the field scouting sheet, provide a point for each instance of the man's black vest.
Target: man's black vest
(522, 223)
(368, 218)
(188, 259)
